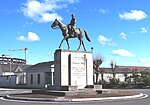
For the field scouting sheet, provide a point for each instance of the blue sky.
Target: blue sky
(118, 29)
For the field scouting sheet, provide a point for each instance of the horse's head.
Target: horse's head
(55, 23)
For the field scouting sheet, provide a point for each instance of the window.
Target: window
(31, 79)
(38, 78)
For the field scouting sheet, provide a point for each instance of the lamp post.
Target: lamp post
(92, 49)
(93, 68)
(10, 70)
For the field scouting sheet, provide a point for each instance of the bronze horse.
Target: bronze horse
(78, 32)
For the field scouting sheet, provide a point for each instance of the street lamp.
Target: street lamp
(93, 68)
(10, 70)
(92, 49)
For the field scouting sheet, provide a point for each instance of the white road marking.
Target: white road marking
(29, 101)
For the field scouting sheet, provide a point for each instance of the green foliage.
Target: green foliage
(102, 82)
(113, 83)
(135, 81)
(146, 80)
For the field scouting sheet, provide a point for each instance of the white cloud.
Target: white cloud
(144, 30)
(31, 37)
(105, 41)
(144, 60)
(44, 11)
(123, 35)
(103, 10)
(122, 52)
(72, 1)
(133, 15)
(46, 17)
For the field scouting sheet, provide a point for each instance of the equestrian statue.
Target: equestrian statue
(71, 31)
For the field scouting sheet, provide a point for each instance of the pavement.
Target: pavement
(7, 91)
(64, 99)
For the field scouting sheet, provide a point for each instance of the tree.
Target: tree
(125, 75)
(135, 76)
(98, 60)
(113, 65)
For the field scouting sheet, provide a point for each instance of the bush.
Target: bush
(146, 80)
(114, 82)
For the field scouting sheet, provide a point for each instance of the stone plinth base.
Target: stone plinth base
(69, 88)
(68, 93)
(73, 69)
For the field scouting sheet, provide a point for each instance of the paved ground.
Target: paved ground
(6, 91)
(137, 101)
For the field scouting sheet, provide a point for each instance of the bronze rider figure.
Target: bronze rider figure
(71, 27)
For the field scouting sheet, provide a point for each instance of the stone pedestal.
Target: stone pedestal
(72, 69)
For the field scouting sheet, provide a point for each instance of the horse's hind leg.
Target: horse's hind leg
(79, 45)
(83, 45)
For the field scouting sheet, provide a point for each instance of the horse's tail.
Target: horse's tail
(87, 37)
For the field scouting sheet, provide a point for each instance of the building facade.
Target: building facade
(12, 75)
(40, 75)
(121, 72)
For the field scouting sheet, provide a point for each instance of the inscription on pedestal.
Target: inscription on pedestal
(78, 70)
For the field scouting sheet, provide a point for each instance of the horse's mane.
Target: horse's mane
(61, 23)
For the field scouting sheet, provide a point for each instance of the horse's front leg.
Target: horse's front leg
(68, 44)
(61, 42)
